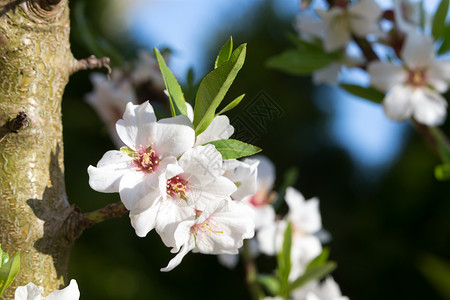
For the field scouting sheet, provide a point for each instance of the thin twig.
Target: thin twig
(90, 63)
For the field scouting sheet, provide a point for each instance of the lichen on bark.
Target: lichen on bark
(35, 64)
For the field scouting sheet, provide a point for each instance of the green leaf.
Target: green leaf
(270, 282)
(442, 172)
(232, 104)
(368, 93)
(445, 46)
(300, 62)
(9, 271)
(284, 261)
(314, 273)
(213, 88)
(437, 271)
(176, 97)
(3, 257)
(439, 19)
(224, 53)
(320, 260)
(233, 149)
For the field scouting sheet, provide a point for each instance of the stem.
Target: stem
(252, 272)
(77, 222)
(114, 210)
(366, 49)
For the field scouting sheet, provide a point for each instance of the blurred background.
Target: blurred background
(386, 213)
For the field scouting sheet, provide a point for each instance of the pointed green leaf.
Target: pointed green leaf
(176, 97)
(213, 88)
(319, 260)
(368, 93)
(232, 104)
(224, 53)
(445, 46)
(299, 62)
(3, 257)
(284, 261)
(314, 273)
(9, 271)
(439, 19)
(270, 282)
(233, 149)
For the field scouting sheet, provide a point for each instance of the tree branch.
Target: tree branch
(77, 222)
(90, 63)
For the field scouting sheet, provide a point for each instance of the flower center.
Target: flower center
(146, 160)
(206, 228)
(417, 78)
(177, 187)
(261, 198)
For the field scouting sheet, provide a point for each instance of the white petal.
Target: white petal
(226, 229)
(28, 292)
(219, 189)
(328, 75)
(179, 257)
(172, 212)
(337, 37)
(366, 10)
(190, 112)
(244, 175)
(266, 173)
(201, 164)
(418, 51)
(270, 237)
(304, 249)
(264, 215)
(132, 189)
(219, 129)
(384, 76)
(329, 289)
(309, 27)
(430, 108)
(70, 292)
(110, 169)
(304, 215)
(143, 222)
(174, 136)
(397, 103)
(137, 128)
(439, 75)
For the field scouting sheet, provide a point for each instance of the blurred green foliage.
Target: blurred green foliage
(380, 227)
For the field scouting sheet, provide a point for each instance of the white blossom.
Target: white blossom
(341, 23)
(195, 181)
(220, 231)
(32, 292)
(306, 221)
(150, 146)
(328, 290)
(109, 99)
(414, 89)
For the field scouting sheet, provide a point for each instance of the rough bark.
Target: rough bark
(35, 64)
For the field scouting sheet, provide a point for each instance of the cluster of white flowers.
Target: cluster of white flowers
(171, 182)
(413, 81)
(111, 95)
(304, 216)
(32, 292)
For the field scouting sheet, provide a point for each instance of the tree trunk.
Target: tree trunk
(35, 64)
